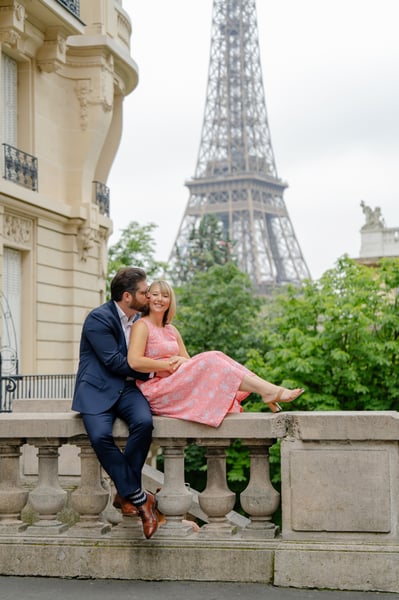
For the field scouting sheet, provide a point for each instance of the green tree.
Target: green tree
(218, 310)
(337, 337)
(207, 246)
(135, 247)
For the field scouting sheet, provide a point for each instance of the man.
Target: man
(105, 389)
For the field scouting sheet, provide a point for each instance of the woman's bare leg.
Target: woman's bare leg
(271, 394)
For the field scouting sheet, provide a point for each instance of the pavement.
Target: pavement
(46, 588)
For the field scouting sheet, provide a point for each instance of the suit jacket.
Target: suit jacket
(103, 366)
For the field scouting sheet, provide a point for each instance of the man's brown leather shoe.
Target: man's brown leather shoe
(128, 509)
(147, 512)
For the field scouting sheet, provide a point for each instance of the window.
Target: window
(11, 326)
(9, 100)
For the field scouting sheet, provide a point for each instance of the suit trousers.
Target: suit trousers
(125, 467)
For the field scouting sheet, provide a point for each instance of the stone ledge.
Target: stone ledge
(345, 425)
(69, 425)
(149, 560)
(305, 426)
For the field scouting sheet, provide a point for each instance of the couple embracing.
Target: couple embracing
(133, 363)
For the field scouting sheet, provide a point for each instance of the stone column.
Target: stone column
(260, 500)
(12, 496)
(174, 499)
(48, 498)
(90, 498)
(217, 500)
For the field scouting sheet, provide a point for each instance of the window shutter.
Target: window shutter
(9, 100)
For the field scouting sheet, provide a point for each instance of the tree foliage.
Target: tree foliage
(337, 337)
(207, 246)
(135, 248)
(218, 310)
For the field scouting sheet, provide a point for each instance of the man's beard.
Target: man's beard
(137, 305)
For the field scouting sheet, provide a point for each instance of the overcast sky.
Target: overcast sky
(331, 77)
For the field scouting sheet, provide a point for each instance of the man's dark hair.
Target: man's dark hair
(126, 280)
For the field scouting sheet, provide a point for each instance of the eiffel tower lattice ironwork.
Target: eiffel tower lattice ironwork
(236, 177)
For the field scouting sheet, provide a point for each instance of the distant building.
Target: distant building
(377, 241)
(65, 69)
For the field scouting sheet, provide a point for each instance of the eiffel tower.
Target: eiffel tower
(236, 177)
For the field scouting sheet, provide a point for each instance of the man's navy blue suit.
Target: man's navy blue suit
(105, 389)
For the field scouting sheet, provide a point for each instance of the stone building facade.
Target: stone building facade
(65, 69)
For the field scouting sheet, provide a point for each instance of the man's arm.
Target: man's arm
(102, 333)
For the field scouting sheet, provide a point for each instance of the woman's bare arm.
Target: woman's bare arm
(136, 350)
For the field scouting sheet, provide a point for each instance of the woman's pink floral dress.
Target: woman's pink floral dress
(203, 389)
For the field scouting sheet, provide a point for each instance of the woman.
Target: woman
(203, 388)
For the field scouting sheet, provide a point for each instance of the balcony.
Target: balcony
(73, 6)
(101, 197)
(339, 500)
(20, 167)
(27, 387)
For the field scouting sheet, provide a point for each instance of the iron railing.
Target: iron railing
(73, 6)
(8, 385)
(13, 387)
(20, 167)
(102, 197)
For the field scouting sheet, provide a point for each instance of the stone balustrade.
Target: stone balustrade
(339, 501)
(48, 432)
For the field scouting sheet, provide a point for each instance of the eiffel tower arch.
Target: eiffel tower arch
(236, 177)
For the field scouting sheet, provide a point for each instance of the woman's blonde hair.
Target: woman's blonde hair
(165, 288)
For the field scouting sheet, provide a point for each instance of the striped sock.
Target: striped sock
(138, 497)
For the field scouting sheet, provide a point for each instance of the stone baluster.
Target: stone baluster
(260, 500)
(90, 498)
(48, 498)
(13, 497)
(174, 499)
(217, 500)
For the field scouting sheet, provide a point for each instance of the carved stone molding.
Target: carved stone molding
(96, 88)
(10, 37)
(87, 95)
(12, 14)
(52, 55)
(18, 230)
(85, 240)
(12, 24)
(82, 90)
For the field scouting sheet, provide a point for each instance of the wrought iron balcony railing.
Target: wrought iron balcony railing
(8, 379)
(20, 167)
(34, 387)
(72, 5)
(102, 197)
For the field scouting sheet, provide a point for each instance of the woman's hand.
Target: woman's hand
(175, 362)
(170, 365)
